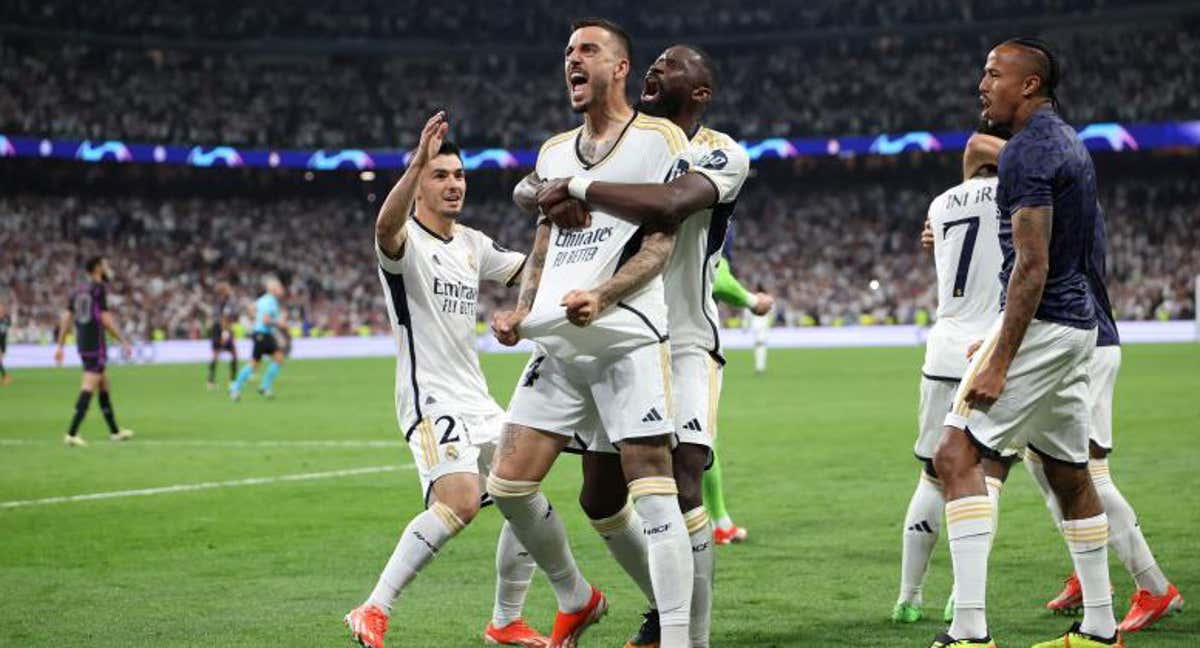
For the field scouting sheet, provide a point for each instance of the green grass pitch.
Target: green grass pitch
(818, 466)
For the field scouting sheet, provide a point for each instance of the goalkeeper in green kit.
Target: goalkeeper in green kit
(727, 289)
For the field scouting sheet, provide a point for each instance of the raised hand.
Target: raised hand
(432, 136)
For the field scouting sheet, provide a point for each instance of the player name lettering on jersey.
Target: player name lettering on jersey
(967, 257)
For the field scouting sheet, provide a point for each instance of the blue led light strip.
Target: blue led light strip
(1098, 137)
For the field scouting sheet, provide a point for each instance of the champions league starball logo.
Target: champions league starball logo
(1114, 135)
(920, 140)
(218, 156)
(110, 150)
(493, 157)
(776, 147)
(351, 158)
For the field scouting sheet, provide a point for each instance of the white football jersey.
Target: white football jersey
(431, 293)
(688, 277)
(966, 252)
(648, 150)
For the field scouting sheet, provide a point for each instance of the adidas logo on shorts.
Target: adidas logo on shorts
(692, 425)
(652, 416)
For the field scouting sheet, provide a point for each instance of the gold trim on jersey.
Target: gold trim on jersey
(588, 166)
(664, 361)
(676, 140)
(714, 395)
(559, 139)
(710, 138)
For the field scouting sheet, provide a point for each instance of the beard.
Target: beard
(665, 105)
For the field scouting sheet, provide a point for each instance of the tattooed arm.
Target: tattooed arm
(584, 306)
(525, 193)
(1031, 241)
(506, 324)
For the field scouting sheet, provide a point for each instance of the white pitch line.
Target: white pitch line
(184, 488)
(234, 443)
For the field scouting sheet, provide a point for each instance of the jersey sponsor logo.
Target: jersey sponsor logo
(715, 160)
(582, 246)
(457, 297)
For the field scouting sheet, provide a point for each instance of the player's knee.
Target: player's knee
(464, 510)
(502, 489)
(603, 493)
(689, 461)
(599, 503)
(955, 456)
(649, 457)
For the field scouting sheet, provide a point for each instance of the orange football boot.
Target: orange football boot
(730, 534)
(1070, 599)
(517, 633)
(367, 625)
(1148, 608)
(569, 626)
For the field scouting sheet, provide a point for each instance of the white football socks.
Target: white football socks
(922, 523)
(700, 533)
(514, 571)
(1088, 541)
(670, 555)
(1125, 535)
(541, 532)
(626, 541)
(760, 358)
(419, 544)
(969, 527)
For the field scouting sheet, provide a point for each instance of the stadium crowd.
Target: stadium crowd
(509, 20)
(820, 246)
(839, 86)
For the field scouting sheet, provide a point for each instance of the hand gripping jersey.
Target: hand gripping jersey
(648, 150)
(966, 251)
(431, 293)
(688, 277)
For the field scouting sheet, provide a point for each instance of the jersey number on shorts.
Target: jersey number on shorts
(968, 250)
(531, 374)
(450, 423)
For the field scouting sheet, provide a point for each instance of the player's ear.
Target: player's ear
(621, 71)
(1031, 85)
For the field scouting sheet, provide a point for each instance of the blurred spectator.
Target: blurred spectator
(305, 99)
(815, 242)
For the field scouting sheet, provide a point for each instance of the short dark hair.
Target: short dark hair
(707, 62)
(608, 26)
(449, 148)
(91, 263)
(1048, 65)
